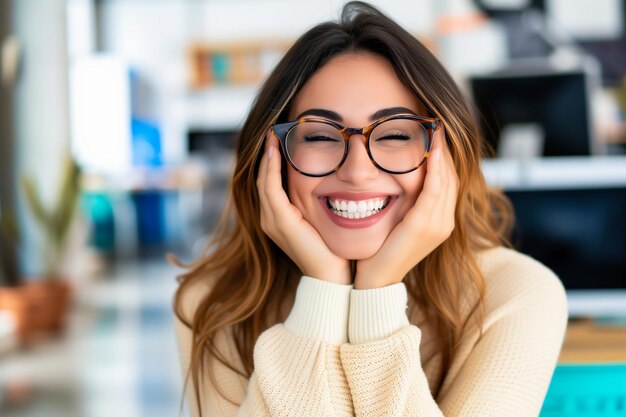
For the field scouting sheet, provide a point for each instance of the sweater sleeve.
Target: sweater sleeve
(507, 372)
(297, 371)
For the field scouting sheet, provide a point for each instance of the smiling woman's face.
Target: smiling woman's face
(355, 86)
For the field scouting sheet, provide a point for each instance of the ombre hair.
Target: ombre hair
(253, 281)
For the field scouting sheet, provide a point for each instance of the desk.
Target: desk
(588, 381)
(588, 341)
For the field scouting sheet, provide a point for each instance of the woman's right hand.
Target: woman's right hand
(285, 225)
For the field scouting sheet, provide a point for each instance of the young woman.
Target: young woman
(357, 194)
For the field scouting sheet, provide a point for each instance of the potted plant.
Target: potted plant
(40, 306)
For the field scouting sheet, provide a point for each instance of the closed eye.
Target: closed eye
(318, 138)
(398, 136)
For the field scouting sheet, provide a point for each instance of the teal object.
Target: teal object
(99, 210)
(587, 390)
(221, 67)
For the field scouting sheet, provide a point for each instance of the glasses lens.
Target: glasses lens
(399, 144)
(314, 147)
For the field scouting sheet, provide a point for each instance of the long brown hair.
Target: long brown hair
(251, 277)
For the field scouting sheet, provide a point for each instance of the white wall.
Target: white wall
(41, 108)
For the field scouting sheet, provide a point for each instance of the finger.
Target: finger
(421, 214)
(453, 190)
(452, 179)
(447, 156)
(442, 166)
(446, 198)
(266, 217)
(447, 208)
(436, 189)
(276, 196)
(438, 143)
(444, 162)
(432, 180)
(262, 174)
(438, 138)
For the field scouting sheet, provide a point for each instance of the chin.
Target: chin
(355, 251)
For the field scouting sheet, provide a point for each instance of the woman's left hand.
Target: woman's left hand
(424, 227)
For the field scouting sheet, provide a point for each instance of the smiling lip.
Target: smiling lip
(355, 196)
(356, 223)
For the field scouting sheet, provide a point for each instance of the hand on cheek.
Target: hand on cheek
(284, 224)
(424, 227)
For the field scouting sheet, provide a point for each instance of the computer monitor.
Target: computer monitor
(548, 110)
(571, 216)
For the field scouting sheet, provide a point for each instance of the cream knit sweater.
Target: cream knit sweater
(347, 352)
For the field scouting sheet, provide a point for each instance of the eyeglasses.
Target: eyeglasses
(316, 147)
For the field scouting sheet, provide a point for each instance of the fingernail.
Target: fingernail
(270, 152)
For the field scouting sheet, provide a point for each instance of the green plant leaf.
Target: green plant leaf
(34, 202)
(55, 223)
(67, 200)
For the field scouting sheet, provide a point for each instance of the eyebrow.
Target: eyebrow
(329, 114)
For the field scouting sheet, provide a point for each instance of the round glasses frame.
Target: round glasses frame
(281, 130)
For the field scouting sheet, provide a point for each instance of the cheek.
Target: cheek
(300, 191)
(412, 187)
(292, 189)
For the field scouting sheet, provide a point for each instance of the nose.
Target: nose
(357, 168)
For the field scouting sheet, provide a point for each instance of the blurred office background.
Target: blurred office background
(117, 121)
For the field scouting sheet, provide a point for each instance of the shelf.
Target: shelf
(188, 177)
(556, 172)
(235, 62)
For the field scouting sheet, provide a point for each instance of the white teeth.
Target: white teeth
(357, 210)
(354, 206)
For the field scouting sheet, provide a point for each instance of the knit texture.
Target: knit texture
(320, 310)
(348, 352)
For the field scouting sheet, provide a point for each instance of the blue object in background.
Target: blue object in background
(149, 204)
(146, 143)
(150, 213)
(587, 390)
